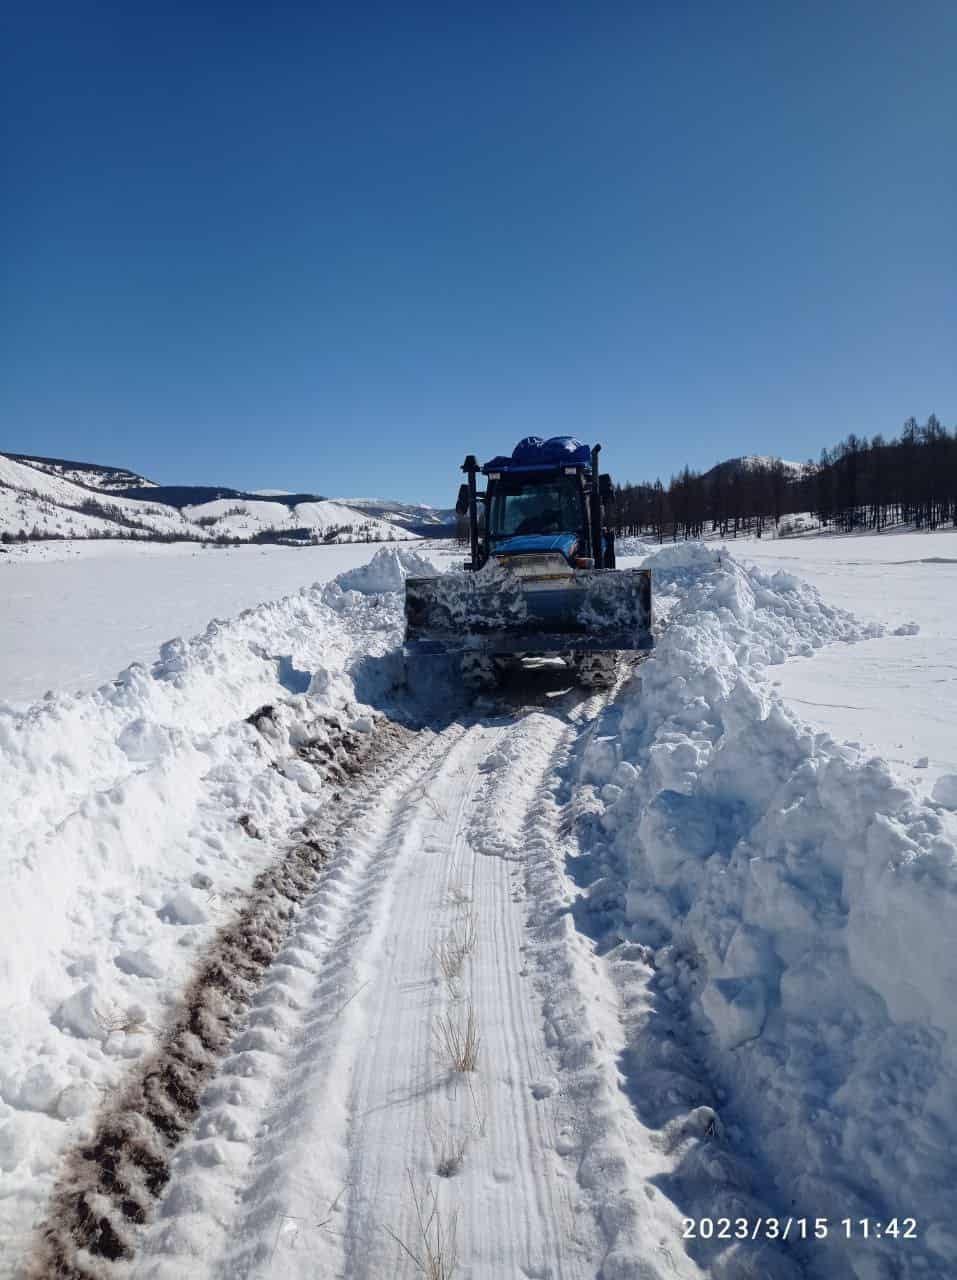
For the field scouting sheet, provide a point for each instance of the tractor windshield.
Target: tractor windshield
(535, 506)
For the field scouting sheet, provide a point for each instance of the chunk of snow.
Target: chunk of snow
(945, 790)
(78, 1014)
(16, 1135)
(625, 774)
(736, 1007)
(182, 908)
(77, 1100)
(386, 571)
(601, 758)
(139, 964)
(39, 1088)
(143, 740)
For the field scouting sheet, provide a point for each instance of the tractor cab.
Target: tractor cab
(544, 502)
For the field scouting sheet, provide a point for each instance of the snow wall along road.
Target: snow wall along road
(802, 908)
(780, 914)
(132, 820)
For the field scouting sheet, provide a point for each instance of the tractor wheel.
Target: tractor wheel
(595, 670)
(479, 671)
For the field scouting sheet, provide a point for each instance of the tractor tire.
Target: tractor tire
(595, 670)
(480, 672)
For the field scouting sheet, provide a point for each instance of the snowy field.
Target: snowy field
(76, 613)
(318, 972)
(895, 694)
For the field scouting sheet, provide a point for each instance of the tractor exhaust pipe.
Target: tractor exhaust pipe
(470, 466)
(596, 547)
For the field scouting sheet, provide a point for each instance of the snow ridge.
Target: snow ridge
(799, 900)
(129, 817)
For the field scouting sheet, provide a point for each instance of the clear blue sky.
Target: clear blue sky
(337, 247)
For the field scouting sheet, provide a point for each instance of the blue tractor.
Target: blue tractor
(541, 578)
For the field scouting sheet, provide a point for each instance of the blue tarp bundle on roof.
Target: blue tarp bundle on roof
(535, 454)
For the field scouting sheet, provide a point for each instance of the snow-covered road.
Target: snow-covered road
(364, 1107)
(706, 954)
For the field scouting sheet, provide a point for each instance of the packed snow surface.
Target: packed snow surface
(711, 973)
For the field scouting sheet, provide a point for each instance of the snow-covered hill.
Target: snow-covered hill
(45, 498)
(42, 503)
(415, 516)
(90, 474)
(324, 519)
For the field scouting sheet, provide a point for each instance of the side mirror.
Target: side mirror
(605, 490)
(462, 504)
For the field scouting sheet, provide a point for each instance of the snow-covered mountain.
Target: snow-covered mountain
(52, 498)
(415, 516)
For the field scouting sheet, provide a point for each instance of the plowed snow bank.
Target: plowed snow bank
(130, 818)
(802, 901)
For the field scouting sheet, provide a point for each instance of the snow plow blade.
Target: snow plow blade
(588, 611)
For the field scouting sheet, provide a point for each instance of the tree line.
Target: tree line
(859, 484)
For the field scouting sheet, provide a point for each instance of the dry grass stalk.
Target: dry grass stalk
(459, 1038)
(455, 946)
(435, 1250)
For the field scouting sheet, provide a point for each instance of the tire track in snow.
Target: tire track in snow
(403, 1103)
(605, 1158)
(336, 1095)
(231, 1207)
(375, 1101)
(530, 1222)
(366, 1101)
